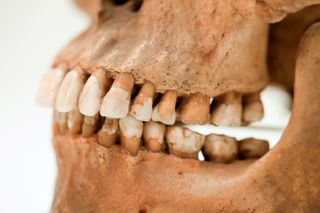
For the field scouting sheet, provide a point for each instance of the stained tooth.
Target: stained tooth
(252, 148)
(194, 109)
(89, 125)
(165, 112)
(69, 91)
(227, 110)
(142, 105)
(130, 134)
(220, 149)
(116, 103)
(183, 142)
(49, 87)
(93, 92)
(108, 133)
(153, 136)
(60, 120)
(75, 120)
(252, 108)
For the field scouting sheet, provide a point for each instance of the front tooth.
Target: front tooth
(116, 103)
(183, 142)
(89, 125)
(165, 112)
(227, 110)
(93, 92)
(220, 149)
(108, 133)
(49, 87)
(153, 136)
(194, 109)
(252, 148)
(75, 120)
(60, 120)
(69, 91)
(252, 108)
(130, 134)
(142, 105)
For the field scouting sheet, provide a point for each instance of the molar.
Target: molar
(252, 108)
(252, 148)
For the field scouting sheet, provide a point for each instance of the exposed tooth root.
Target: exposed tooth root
(194, 109)
(153, 136)
(49, 87)
(60, 120)
(227, 110)
(93, 92)
(116, 102)
(165, 111)
(108, 133)
(130, 134)
(252, 108)
(252, 148)
(89, 125)
(75, 120)
(69, 91)
(142, 106)
(220, 149)
(183, 142)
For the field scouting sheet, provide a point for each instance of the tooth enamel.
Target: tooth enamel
(116, 102)
(153, 136)
(194, 109)
(252, 109)
(130, 134)
(69, 91)
(60, 120)
(220, 148)
(142, 105)
(227, 110)
(252, 148)
(89, 125)
(49, 87)
(165, 112)
(108, 133)
(183, 142)
(75, 120)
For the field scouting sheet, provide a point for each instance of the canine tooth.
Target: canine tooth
(153, 136)
(252, 108)
(220, 148)
(116, 102)
(89, 125)
(69, 91)
(60, 119)
(130, 134)
(142, 105)
(252, 148)
(49, 87)
(108, 133)
(75, 120)
(165, 112)
(183, 142)
(227, 110)
(194, 109)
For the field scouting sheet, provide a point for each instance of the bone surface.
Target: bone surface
(89, 125)
(252, 108)
(107, 135)
(165, 111)
(153, 136)
(252, 148)
(75, 121)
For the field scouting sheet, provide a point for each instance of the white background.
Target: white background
(31, 33)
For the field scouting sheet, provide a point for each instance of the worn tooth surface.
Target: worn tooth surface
(142, 105)
(130, 134)
(220, 148)
(69, 91)
(184, 142)
(252, 108)
(92, 93)
(252, 148)
(107, 135)
(49, 87)
(227, 110)
(153, 136)
(75, 121)
(165, 111)
(60, 120)
(194, 109)
(116, 102)
(89, 125)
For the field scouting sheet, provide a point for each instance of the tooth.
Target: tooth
(60, 120)
(252, 108)
(153, 136)
(183, 142)
(130, 134)
(227, 110)
(49, 87)
(89, 125)
(69, 91)
(165, 112)
(116, 103)
(75, 120)
(108, 133)
(252, 148)
(93, 92)
(220, 148)
(194, 109)
(142, 105)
